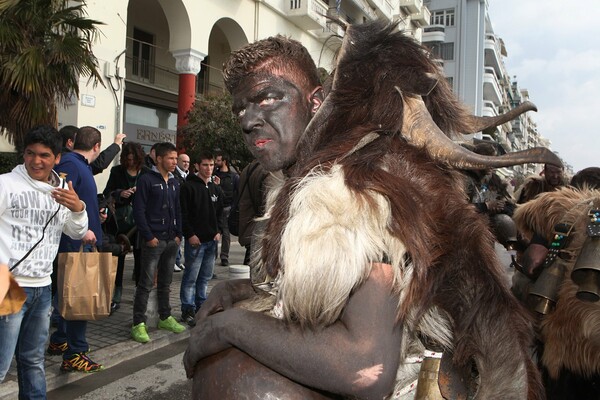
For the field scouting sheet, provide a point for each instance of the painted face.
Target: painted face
(205, 169)
(39, 161)
(168, 162)
(273, 113)
(553, 175)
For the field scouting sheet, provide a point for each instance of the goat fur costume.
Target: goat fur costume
(366, 189)
(571, 333)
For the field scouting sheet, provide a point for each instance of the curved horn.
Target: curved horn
(480, 124)
(420, 130)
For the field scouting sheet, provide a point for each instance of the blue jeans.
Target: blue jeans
(157, 260)
(24, 334)
(199, 266)
(72, 332)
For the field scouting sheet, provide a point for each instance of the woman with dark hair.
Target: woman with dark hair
(120, 190)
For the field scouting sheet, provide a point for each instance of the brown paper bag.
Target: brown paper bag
(85, 284)
(14, 300)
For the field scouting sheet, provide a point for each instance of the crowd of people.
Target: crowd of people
(172, 211)
(51, 204)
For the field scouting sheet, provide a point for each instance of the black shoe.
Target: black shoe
(114, 307)
(214, 276)
(188, 318)
(225, 263)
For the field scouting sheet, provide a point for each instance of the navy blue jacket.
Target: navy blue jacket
(79, 172)
(156, 208)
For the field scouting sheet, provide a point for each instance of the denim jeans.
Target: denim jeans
(24, 334)
(225, 236)
(157, 260)
(199, 266)
(72, 332)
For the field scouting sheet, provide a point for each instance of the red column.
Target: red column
(185, 101)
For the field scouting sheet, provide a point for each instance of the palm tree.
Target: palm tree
(45, 47)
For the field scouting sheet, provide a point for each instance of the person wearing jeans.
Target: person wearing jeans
(157, 213)
(201, 209)
(200, 261)
(69, 339)
(155, 261)
(29, 328)
(28, 246)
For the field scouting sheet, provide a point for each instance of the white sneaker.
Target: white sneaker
(177, 268)
(182, 266)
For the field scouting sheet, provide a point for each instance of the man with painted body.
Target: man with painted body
(274, 104)
(338, 254)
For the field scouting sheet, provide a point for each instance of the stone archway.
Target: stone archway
(226, 35)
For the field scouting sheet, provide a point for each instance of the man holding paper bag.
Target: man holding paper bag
(69, 339)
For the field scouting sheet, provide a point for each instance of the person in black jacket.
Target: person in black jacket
(228, 180)
(201, 209)
(120, 189)
(106, 156)
(157, 214)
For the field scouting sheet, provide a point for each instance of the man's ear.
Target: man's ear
(316, 99)
(57, 159)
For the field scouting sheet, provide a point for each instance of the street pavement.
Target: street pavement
(110, 339)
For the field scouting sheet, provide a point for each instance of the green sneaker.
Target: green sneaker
(139, 333)
(170, 324)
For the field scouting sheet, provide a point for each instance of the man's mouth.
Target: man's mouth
(262, 142)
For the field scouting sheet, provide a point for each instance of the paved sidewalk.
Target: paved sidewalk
(109, 338)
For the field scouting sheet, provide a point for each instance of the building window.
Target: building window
(202, 79)
(143, 54)
(442, 17)
(450, 81)
(444, 51)
(447, 51)
(295, 4)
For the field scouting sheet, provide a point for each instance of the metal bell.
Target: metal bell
(586, 272)
(427, 386)
(543, 294)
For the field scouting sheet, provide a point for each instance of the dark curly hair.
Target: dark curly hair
(45, 135)
(278, 55)
(136, 150)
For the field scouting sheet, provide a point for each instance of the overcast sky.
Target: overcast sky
(554, 50)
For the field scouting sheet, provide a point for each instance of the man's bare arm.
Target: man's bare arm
(358, 355)
(224, 295)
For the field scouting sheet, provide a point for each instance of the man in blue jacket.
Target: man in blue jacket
(201, 209)
(157, 214)
(69, 339)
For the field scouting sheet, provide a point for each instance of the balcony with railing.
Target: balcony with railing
(434, 33)
(307, 14)
(330, 29)
(146, 72)
(142, 69)
(366, 8)
(491, 87)
(489, 109)
(492, 53)
(384, 7)
(421, 18)
(412, 6)
(517, 128)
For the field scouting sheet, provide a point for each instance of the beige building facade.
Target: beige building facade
(157, 56)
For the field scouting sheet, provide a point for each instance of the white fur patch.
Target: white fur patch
(328, 245)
